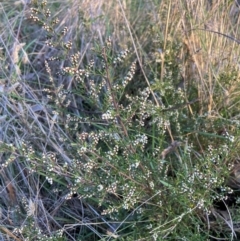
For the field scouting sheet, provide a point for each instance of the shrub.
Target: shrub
(107, 142)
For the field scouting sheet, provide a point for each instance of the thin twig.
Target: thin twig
(212, 31)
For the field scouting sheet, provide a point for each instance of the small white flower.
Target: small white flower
(31, 208)
(100, 188)
(107, 116)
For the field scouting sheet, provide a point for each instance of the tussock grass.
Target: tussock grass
(119, 120)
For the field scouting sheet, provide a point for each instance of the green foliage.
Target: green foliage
(100, 146)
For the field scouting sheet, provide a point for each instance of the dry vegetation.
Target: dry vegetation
(119, 120)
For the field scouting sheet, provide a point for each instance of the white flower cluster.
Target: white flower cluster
(49, 180)
(141, 139)
(133, 166)
(89, 166)
(129, 75)
(130, 200)
(107, 116)
(120, 57)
